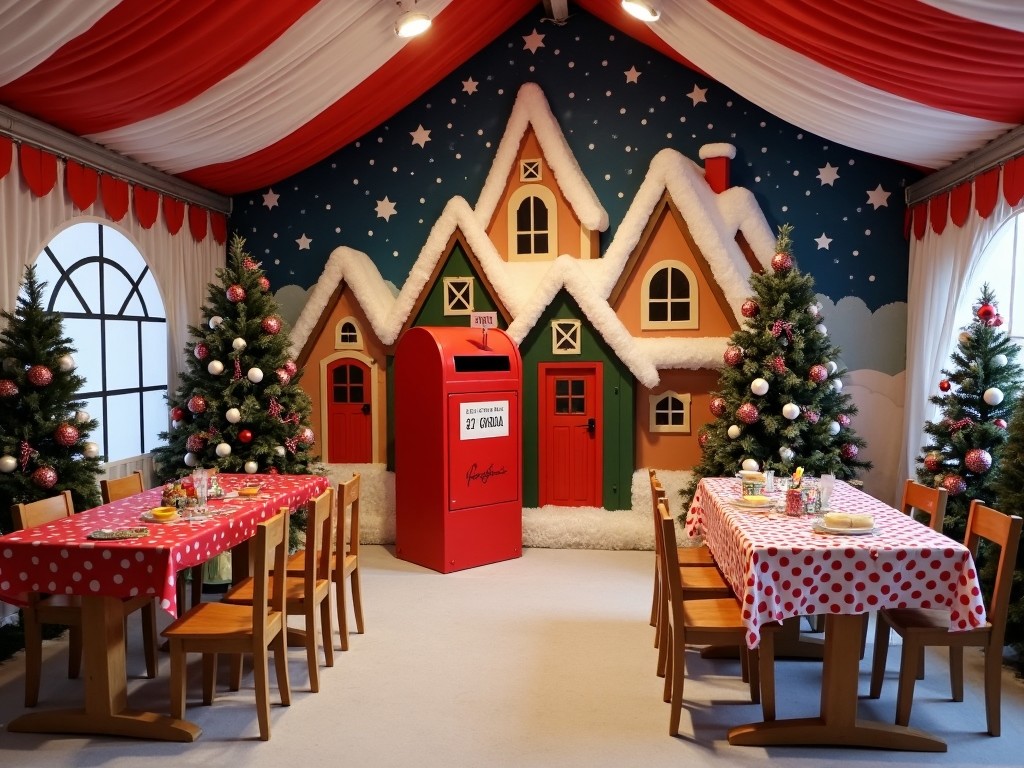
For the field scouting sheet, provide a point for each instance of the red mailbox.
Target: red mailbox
(458, 448)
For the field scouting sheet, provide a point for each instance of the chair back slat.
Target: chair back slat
(34, 513)
(657, 496)
(269, 571)
(669, 554)
(348, 499)
(121, 487)
(931, 502)
(320, 534)
(1004, 532)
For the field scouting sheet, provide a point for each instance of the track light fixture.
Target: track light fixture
(411, 23)
(641, 9)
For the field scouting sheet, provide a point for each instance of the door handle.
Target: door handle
(366, 409)
(591, 425)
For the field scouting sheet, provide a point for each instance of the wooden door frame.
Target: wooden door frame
(596, 367)
(375, 404)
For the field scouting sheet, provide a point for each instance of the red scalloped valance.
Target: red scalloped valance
(954, 205)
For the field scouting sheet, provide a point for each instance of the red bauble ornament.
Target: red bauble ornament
(996, 321)
(249, 263)
(271, 325)
(944, 385)
(954, 484)
(817, 373)
(40, 375)
(933, 461)
(197, 403)
(779, 364)
(733, 355)
(8, 388)
(45, 477)
(177, 413)
(812, 416)
(750, 308)
(236, 293)
(272, 471)
(843, 419)
(201, 351)
(986, 312)
(65, 435)
(747, 413)
(782, 262)
(291, 367)
(717, 405)
(264, 284)
(282, 376)
(306, 436)
(1001, 423)
(849, 451)
(702, 439)
(195, 443)
(245, 436)
(978, 460)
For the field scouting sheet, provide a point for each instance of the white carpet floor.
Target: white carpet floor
(546, 660)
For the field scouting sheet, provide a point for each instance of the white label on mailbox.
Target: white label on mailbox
(483, 319)
(480, 420)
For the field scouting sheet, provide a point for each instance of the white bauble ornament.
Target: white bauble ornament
(233, 415)
(813, 310)
(993, 396)
(279, 450)
(255, 375)
(191, 460)
(91, 450)
(223, 449)
(999, 360)
(734, 431)
(832, 367)
(759, 387)
(833, 427)
(175, 424)
(750, 465)
(216, 367)
(8, 464)
(820, 328)
(251, 467)
(66, 363)
(837, 385)
(238, 344)
(81, 416)
(216, 320)
(786, 454)
(791, 410)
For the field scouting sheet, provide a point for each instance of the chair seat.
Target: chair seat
(294, 591)
(920, 620)
(713, 615)
(695, 556)
(215, 621)
(704, 581)
(297, 564)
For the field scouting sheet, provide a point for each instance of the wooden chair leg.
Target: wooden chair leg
(908, 677)
(328, 632)
(993, 688)
(179, 589)
(879, 657)
(956, 671)
(342, 610)
(148, 615)
(209, 677)
(666, 689)
(280, 647)
(663, 643)
(754, 671)
(74, 652)
(178, 659)
(312, 628)
(766, 664)
(261, 675)
(678, 652)
(654, 604)
(197, 584)
(34, 658)
(235, 672)
(357, 600)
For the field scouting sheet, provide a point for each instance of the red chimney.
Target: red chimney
(716, 159)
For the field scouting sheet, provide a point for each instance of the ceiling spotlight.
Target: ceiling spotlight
(641, 9)
(411, 23)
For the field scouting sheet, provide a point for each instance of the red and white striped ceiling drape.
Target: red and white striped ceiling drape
(86, 185)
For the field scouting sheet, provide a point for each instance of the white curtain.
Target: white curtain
(941, 270)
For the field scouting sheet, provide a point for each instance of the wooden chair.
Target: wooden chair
(121, 488)
(920, 500)
(921, 628)
(308, 593)
(216, 627)
(716, 621)
(345, 567)
(67, 609)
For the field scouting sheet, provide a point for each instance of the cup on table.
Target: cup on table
(201, 482)
(825, 486)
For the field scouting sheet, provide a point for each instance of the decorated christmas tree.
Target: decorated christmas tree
(975, 400)
(44, 430)
(238, 406)
(1008, 484)
(780, 402)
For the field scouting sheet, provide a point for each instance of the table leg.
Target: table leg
(106, 689)
(837, 724)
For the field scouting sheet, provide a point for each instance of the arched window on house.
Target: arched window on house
(670, 412)
(112, 310)
(670, 297)
(532, 224)
(347, 334)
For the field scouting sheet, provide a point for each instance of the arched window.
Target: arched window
(532, 224)
(670, 412)
(112, 310)
(670, 297)
(1001, 265)
(347, 334)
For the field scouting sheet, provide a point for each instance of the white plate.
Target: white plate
(741, 502)
(148, 517)
(822, 528)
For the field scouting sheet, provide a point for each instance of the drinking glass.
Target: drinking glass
(825, 486)
(201, 482)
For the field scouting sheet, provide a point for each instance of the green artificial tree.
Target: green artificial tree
(44, 430)
(976, 397)
(238, 406)
(1008, 484)
(779, 402)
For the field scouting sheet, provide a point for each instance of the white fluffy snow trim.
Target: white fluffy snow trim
(741, 213)
(372, 292)
(566, 273)
(692, 354)
(531, 108)
(720, 149)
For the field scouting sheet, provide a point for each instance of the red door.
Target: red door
(570, 434)
(348, 412)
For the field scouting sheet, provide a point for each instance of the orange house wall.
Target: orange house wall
(569, 226)
(323, 347)
(660, 450)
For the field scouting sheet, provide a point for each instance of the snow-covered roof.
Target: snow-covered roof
(531, 109)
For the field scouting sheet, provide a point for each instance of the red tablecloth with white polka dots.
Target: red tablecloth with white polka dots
(780, 567)
(60, 558)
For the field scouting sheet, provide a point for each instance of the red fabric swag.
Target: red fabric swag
(82, 183)
(960, 203)
(937, 209)
(197, 222)
(115, 196)
(986, 192)
(219, 227)
(174, 214)
(6, 155)
(146, 203)
(1013, 180)
(38, 168)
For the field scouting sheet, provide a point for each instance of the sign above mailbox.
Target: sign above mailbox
(483, 319)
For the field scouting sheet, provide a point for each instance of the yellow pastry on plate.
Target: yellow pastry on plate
(163, 513)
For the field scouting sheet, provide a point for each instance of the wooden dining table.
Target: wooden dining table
(782, 567)
(66, 557)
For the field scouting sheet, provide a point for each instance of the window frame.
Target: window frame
(693, 323)
(470, 299)
(685, 399)
(569, 329)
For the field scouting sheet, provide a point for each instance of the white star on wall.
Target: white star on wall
(823, 241)
(469, 86)
(533, 41)
(270, 198)
(632, 76)
(698, 95)
(420, 136)
(878, 197)
(828, 175)
(385, 209)
(303, 242)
